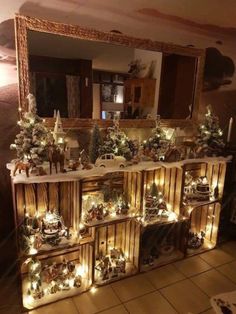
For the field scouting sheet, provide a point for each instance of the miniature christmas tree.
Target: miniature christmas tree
(95, 143)
(210, 135)
(116, 142)
(154, 190)
(155, 204)
(158, 141)
(30, 143)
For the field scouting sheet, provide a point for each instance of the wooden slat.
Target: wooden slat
(20, 202)
(65, 202)
(216, 220)
(111, 236)
(42, 197)
(166, 185)
(210, 211)
(137, 244)
(30, 199)
(178, 191)
(53, 195)
(172, 187)
(221, 182)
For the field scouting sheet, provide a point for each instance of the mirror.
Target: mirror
(97, 75)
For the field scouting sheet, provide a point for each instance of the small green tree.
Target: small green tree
(154, 190)
(30, 143)
(158, 138)
(210, 133)
(95, 143)
(116, 142)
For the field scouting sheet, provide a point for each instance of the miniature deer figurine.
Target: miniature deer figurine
(23, 166)
(55, 156)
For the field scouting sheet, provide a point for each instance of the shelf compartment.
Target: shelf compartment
(162, 244)
(168, 182)
(203, 219)
(55, 282)
(215, 176)
(35, 203)
(111, 198)
(122, 237)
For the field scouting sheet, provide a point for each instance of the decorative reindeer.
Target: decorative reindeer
(23, 166)
(56, 155)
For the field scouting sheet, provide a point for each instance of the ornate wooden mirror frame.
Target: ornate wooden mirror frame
(23, 24)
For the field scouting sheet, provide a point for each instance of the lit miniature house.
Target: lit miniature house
(110, 197)
(116, 251)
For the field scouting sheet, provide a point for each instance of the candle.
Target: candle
(229, 129)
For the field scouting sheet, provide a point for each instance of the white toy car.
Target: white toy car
(110, 160)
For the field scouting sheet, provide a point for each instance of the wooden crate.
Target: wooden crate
(82, 259)
(124, 236)
(169, 183)
(97, 190)
(215, 174)
(205, 219)
(37, 199)
(162, 243)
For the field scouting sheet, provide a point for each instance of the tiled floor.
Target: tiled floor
(181, 287)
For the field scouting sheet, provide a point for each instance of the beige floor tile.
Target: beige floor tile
(61, 307)
(216, 257)
(102, 299)
(192, 266)
(229, 270)
(151, 303)
(164, 276)
(230, 248)
(186, 297)
(213, 282)
(132, 287)
(120, 309)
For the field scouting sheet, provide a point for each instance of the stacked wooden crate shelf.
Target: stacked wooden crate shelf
(121, 243)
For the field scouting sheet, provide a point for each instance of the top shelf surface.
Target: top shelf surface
(98, 172)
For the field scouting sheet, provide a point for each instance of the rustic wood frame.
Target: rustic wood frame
(23, 24)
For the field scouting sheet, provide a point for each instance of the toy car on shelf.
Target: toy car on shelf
(110, 160)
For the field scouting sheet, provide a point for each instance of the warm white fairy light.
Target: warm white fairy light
(81, 225)
(172, 216)
(80, 271)
(93, 289)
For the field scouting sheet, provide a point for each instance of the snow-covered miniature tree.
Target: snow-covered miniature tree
(210, 134)
(158, 140)
(116, 142)
(95, 143)
(30, 143)
(154, 203)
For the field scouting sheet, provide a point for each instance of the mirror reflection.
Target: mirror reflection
(90, 79)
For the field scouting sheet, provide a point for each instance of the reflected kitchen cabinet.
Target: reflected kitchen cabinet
(61, 84)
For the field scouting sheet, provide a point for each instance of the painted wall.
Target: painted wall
(199, 23)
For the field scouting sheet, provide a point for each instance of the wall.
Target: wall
(199, 23)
